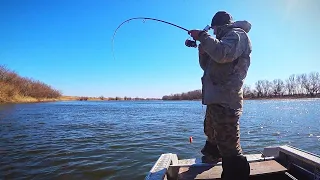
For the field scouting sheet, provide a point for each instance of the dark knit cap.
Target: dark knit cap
(221, 18)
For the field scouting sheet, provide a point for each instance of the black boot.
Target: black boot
(235, 167)
(211, 153)
(211, 149)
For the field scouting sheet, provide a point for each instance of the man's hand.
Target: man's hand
(194, 34)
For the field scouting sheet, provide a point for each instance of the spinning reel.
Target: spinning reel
(193, 43)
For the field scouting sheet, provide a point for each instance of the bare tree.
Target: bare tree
(291, 85)
(277, 87)
(313, 83)
(266, 85)
(247, 91)
(259, 88)
(11, 84)
(3, 72)
(304, 83)
(299, 84)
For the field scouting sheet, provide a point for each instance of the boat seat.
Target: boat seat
(214, 172)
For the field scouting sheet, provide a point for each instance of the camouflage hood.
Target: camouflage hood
(222, 30)
(244, 25)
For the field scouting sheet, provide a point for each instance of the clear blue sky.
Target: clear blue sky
(67, 43)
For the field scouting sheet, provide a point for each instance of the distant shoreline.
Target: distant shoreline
(20, 99)
(76, 98)
(282, 98)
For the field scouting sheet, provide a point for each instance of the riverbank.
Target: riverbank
(20, 99)
(15, 88)
(23, 99)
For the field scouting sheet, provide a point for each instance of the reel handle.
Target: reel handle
(190, 43)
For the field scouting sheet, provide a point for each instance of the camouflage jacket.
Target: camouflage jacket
(225, 64)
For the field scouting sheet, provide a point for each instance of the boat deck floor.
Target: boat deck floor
(259, 171)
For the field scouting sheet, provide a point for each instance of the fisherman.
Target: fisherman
(225, 61)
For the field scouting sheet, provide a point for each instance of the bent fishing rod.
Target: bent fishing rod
(188, 42)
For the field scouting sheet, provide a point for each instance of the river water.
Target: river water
(123, 139)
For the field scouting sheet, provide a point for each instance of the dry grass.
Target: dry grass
(68, 98)
(14, 88)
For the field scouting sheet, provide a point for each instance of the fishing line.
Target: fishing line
(188, 43)
(143, 18)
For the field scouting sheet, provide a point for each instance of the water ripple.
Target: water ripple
(122, 140)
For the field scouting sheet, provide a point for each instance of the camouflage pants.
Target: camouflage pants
(221, 126)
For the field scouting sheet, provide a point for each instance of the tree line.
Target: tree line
(191, 95)
(102, 98)
(296, 86)
(13, 86)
